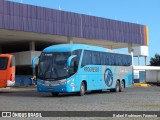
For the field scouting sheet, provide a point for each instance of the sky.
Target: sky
(145, 12)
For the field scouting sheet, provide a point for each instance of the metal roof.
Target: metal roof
(29, 18)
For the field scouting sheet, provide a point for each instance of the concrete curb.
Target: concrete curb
(141, 85)
(15, 89)
(18, 88)
(23, 87)
(5, 88)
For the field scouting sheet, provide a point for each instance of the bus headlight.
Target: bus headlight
(72, 85)
(63, 82)
(70, 80)
(55, 83)
(73, 79)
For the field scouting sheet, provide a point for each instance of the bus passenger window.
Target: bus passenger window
(78, 55)
(112, 59)
(119, 60)
(103, 58)
(108, 59)
(95, 58)
(125, 60)
(87, 60)
(129, 60)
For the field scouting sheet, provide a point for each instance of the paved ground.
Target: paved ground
(135, 98)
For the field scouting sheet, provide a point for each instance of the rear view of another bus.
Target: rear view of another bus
(7, 70)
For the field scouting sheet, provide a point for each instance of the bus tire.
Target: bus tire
(82, 89)
(117, 89)
(54, 94)
(117, 86)
(122, 86)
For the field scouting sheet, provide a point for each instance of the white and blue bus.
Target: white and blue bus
(79, 68)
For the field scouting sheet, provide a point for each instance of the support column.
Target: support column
(145, 58)
(132, 57)
(138, 60)
(70, 40)
(129, 48)
(32, 46)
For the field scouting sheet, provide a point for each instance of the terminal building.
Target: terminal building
(25, 30)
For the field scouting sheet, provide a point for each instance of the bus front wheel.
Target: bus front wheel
(82, 89)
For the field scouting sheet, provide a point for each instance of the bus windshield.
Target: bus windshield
(3, 63)
(53, 65)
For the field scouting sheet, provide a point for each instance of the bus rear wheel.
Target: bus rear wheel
(54, 94)
(122, 87)
(82, 89)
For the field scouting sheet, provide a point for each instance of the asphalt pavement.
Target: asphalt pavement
(132, 99)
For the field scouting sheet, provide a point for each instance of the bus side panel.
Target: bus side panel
(95, 73)
(11, 74)
(110, 74)
(83, 76)
(92, 75)
(128, 79)
(4, 74)
(3, 80)
(10, 78)
(108, 77)
(126, 73)
(100, 77)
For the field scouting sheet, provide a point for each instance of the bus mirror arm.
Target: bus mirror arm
(70, 59)
(75, 67)
(34, 68)
(71, 70)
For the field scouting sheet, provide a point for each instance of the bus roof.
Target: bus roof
(72, 47)
(5, 55)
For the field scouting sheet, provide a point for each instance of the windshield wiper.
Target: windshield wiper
(44, 74)
(54, 70)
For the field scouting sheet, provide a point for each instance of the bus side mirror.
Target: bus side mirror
(34, 66)
(34, 60)
(70, 60)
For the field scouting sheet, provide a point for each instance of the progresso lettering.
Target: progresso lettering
(91, 69)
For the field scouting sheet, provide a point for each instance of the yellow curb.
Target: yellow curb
(141, 85)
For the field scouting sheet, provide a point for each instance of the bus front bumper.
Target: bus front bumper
(60, 88)
(10, 83)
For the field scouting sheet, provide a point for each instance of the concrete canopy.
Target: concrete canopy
(10, 36)
(20, 22)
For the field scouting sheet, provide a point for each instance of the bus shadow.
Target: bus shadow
(90, 93)
(34, 93)
(31, 93)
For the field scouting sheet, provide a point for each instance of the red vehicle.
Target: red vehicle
(7, 70)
